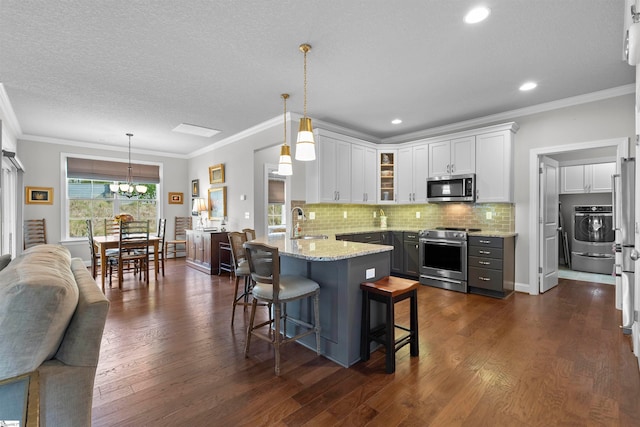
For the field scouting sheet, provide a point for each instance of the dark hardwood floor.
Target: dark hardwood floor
(170, 358)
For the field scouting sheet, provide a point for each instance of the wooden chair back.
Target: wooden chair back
(111, 227)
(264, 264)
(250, 232)
(182, 224)
(238, 254)
(34, 232)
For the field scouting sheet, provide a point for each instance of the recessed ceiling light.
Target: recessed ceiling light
(195, 130)
(528, 86)
(396, 121)
(476, 15)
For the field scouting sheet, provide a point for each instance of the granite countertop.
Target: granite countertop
(490, 233)
(322, 249)
(361, 230)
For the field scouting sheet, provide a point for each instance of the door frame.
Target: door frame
(622, 145)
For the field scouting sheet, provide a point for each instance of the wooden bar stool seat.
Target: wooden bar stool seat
(389, 290)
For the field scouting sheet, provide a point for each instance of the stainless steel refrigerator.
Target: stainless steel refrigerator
(624, 202)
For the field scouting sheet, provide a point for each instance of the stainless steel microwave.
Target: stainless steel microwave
(452, 188)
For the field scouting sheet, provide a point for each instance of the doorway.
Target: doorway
(277, 201)
(616, 148)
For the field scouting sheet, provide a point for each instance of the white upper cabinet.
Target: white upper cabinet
(412, 174)
(453, 157)
(387, 169)
(329, 177)
(363, 174)
(494, 167)
(579, 179)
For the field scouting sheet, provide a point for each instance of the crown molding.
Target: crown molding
(510, 115)
(94, 146)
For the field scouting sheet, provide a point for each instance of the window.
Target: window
(89, 196)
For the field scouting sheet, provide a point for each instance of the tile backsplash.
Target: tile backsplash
(332, 216)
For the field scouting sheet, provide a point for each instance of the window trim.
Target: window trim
(64, 191)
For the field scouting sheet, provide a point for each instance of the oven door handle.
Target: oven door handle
(441, 242)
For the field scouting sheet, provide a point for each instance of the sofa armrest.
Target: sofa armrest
(81, 343)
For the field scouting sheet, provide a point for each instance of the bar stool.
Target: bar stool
(389, 290)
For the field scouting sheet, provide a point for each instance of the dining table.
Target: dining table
(103, 243)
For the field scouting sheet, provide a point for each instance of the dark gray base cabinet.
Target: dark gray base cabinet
(491, 267)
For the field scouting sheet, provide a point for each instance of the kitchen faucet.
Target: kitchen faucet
(294, 227)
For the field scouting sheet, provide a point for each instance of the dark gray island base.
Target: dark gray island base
(339, 267)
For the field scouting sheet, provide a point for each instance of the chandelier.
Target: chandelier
(128, 189)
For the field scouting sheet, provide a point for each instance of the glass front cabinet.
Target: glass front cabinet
(387, 176)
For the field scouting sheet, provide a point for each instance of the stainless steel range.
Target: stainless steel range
(443, 258)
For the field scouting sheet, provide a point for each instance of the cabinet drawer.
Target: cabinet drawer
(482, 252)
(411, 237)
(484, 262)
(486, 279)
(492, 242)
(369, 238)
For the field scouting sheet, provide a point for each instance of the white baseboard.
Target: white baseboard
(522, 287)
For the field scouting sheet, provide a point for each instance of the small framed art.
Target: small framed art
(176, 198)
(195, 188)
(217, 203)
(216, 174)
(39, 195)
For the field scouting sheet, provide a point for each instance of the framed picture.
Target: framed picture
(216, 174)
(175, 198)
(195, 188)
(217, 203)
(39, 195)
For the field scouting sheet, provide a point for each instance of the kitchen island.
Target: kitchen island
(338, 267)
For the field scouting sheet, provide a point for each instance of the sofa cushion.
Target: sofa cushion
(38, 296)
(4, 261)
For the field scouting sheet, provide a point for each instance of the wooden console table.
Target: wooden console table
(203, 250)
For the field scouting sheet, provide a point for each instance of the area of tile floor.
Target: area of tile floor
(565, 273)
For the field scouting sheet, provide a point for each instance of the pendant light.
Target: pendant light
(305, 145)
(128, 189)
(284, 166)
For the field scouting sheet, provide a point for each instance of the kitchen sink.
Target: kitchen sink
(310, 237)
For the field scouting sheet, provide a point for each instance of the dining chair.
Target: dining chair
(272, 288)
(240, 270)
(133, 250)
(34, 233)
(95, 256)
(162, 225)
(182, 223)
(111, 227)
(250, 233)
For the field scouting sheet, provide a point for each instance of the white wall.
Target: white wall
(244, 162)
(607, 119)
(42, 165)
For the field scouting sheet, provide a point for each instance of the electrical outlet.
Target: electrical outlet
(489, 215)
(344, 214)
(312, 215)
(247, 215)
(370, 273)
(418, 215)
(375, 214)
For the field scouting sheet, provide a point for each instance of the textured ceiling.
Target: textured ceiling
(91, 71)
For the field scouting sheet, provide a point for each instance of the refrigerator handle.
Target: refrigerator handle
(614, 200)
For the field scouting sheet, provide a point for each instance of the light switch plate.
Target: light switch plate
(418, 215)
(344, 214)
(312, 215)
(370, 273)
(489, 215)
(247, 215)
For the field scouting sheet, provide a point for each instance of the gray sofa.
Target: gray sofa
(52, 316)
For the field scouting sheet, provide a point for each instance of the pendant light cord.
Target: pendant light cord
(305, 82)
(285, 96)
